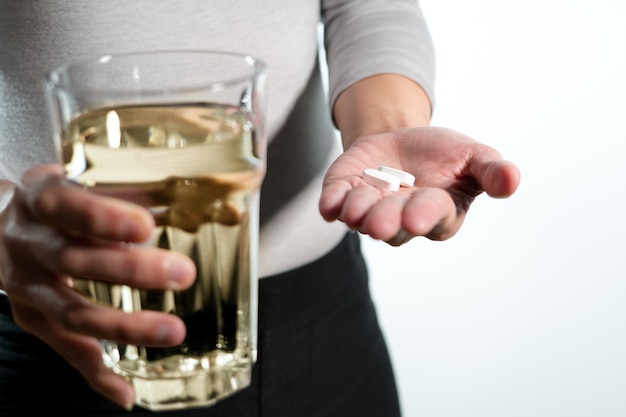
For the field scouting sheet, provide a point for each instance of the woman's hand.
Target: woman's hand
(450, 170)
(51, 230)
(384, 121)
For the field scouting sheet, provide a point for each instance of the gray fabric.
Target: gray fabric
(368, 37)
(364, 37)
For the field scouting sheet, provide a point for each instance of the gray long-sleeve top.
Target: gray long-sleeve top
(361, 38)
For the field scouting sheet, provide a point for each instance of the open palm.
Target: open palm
(450, 170)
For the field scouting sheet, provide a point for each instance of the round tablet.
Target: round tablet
(406, 179)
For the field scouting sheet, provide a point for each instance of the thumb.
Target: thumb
(499, 178)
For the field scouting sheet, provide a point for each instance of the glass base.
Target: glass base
(199, 390)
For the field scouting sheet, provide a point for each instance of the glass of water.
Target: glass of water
(182, 134)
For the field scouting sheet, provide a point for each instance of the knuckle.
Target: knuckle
(73, 317)
(70, 259)
(91, 213)
(44, 202)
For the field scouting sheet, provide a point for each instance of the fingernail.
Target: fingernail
(167, 333)
(128, 405)
(178, 270)
(129, 400)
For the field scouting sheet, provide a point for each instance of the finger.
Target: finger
(332, 198)
(40, 172)
(503, 179)
(139, 267)
(85, 354)
(59, 203)
(358, 203)
(499, 178)
(431, 212)
(76, 314)
(384, 218)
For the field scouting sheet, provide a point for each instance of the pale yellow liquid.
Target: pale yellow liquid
(195, 168)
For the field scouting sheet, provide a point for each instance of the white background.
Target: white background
(523, 313)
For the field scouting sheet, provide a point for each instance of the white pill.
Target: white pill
(405, 178)
(381, 179)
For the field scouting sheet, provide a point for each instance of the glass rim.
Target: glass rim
(54, 80)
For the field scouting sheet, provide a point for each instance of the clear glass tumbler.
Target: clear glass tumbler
(182, 134)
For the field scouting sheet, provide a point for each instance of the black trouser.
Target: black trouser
(321, 353)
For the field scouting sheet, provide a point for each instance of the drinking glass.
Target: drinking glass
(182, 134)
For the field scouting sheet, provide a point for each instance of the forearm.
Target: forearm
(6, 192)
(379, 104)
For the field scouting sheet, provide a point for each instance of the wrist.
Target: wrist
(379, 104)
(6, 193)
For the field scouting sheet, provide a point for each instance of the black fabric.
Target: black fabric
(321, 353)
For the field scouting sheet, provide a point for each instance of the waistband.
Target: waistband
(306, 292)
